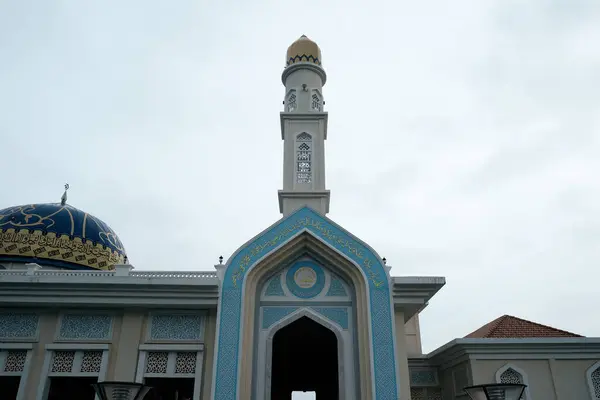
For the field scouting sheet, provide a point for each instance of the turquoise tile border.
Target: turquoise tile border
(230, 299)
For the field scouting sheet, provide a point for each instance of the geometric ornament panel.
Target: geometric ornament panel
(423, 377)
(76, 362)
(511, 376)
(62, 361)
(15, 361)
(18, 325)
(85, 327)
(595, 381)
(426, 394)
(171, 364)
(175, 327)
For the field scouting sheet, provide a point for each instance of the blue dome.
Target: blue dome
(58, 235)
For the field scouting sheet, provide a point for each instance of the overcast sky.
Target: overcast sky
(463, 136)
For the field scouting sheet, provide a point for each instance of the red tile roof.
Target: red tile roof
(508, 326)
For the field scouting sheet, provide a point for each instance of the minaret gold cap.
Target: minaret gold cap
(303, 50)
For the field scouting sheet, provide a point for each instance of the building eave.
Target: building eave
(411, 294)
(34, 287)
(48, 288)
(459, 350)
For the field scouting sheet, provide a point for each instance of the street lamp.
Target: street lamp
(121, 390)
(496, 391)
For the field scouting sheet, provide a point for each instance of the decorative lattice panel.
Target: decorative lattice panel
(62, 361)
(291, 102)
(18, 325)
(434, 394)
(316, 102)
(174, 327)
(595, 381)
(15, 361)
(418, 394)
(91, 361)
(157, 362)
(185, 363)
(511, 376)
(423, 377)
(304, 158)
(86, 327)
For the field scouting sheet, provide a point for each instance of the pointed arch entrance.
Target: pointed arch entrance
(288, 239)
(293, 351)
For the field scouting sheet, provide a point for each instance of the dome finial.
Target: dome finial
(63, 199)
(303, 50)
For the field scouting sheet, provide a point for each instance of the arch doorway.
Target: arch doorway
(305, 358)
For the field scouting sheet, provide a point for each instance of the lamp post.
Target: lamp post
(496, 391)
(121, 390)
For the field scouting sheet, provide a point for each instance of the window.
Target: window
(316, 102)
(304, 158)
(291, 101)
(512, 374)
(593, 378)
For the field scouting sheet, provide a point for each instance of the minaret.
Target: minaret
(303, 130)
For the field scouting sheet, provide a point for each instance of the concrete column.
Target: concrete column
(124, 352)
(209, 353)
(401, 356)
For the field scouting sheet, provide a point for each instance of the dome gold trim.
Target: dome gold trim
(58, 235)
(303, 50)
(60, 248)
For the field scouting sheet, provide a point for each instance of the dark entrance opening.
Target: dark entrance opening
(305, 358)
(9, 386)
(170, 388)
(72, 388)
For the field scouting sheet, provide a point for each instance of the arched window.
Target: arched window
(512, 374)
(593, 378)
(317, 104)
(304, 158)
(290, 103)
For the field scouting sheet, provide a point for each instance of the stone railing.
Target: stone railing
(173, 274)
(34, 270)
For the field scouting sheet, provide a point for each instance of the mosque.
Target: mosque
(305, 305)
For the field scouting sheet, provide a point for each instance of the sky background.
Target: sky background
(464, 137)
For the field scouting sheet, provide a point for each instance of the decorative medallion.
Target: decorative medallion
(305, 279)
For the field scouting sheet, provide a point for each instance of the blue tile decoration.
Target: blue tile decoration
(60, 235)
(339, 315)
(18, 325)
(312, 288)
(176, 327)
(85, 326)
(230, 299)
(273, 314)
(423, 377)
(274, 287)
(336, 288)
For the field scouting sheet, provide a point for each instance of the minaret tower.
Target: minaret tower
(303, 130)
